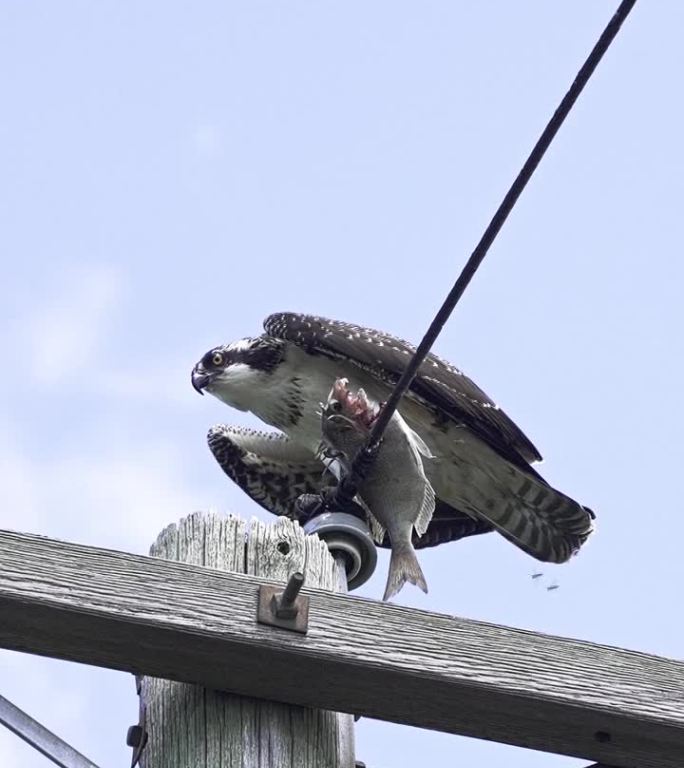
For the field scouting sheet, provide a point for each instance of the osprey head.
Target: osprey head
(231, 371)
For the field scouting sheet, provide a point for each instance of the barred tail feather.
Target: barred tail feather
(542, 521)
(404, 566)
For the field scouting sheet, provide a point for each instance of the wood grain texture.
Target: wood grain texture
(194, 727)
(187, 623)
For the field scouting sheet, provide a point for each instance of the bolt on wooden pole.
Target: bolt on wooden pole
(187, 726)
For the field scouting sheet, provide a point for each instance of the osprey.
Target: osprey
(481, 462)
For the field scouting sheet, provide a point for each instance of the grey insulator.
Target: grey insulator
(348, 537)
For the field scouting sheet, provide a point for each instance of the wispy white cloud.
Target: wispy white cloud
(117, 499)
(113, 492)
(63, 333)
(126, 498)
(62, 337)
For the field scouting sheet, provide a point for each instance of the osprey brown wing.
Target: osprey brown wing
(442, 386)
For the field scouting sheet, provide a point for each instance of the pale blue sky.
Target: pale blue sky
(172, 173)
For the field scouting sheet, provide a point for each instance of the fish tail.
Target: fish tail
(404, 566)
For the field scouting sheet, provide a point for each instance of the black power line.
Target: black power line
(348, 489)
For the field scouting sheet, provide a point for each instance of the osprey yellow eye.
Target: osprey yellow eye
(217, 358)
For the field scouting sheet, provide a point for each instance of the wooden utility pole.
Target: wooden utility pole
(188, 726)
(200, 625)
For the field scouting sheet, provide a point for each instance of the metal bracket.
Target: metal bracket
(136, 737)
(285, 608)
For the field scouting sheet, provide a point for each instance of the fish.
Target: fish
(396, 494)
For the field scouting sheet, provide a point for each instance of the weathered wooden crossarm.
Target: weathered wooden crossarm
(171, 620)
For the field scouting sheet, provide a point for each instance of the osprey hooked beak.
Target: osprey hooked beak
(200, 378)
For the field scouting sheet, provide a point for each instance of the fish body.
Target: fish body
(395, 493)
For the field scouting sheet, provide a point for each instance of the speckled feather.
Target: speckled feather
(274, 472)
(438, 384)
